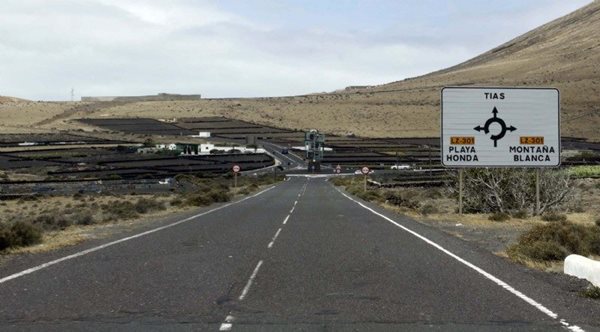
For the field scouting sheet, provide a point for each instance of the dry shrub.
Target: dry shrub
(555, 241)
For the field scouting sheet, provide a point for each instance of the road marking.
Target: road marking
(286, 219)
(477, 269)
(292, 210)
(106, 245)
(228, 324)
(296, 202)
(250, 281)
(275, 237)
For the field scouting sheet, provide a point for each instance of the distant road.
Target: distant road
(299, 256)
(289, 161)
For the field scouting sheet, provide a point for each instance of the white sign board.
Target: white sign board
(500, 127)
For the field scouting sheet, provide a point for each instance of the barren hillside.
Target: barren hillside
(4, 99)
(564, 53)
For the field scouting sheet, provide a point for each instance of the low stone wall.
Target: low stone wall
(584, 268)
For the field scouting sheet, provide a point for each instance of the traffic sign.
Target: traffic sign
(365, 170)
(500, 127)
(236, 168)
(338, 167)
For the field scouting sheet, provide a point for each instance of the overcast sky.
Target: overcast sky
(245, 48)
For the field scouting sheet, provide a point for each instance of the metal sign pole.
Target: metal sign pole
(365, 182)
(235, 180)
(537, 191)
(460, 191)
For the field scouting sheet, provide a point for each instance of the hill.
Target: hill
(4, 99)
(564, 53)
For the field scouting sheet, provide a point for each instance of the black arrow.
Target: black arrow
(511, 128)
(495, 111)
(480, 128)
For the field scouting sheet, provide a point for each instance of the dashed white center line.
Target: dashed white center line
(274, 238)
(250, 281)
(227, 325)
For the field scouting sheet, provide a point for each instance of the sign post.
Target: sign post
(365, 170)
(236, 170)
(500, 127)
(338, 169)
(537, 191)
(461, 175)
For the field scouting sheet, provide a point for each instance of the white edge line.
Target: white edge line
(249, 283)
(479, 270)
(292, 210)
(106, 245)
(286, 219)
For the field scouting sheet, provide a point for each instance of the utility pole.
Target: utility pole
(72, 94)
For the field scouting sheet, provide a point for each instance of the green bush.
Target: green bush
(176, 201)
(52, 221)
(557, 240)
(521, 214)
(83, 218)
(591, 292)
(369, 195)
(554, 216)
(145, 205)
(120, 210)
(402, 199)
(499, 216)
(428, 209)
(585, 171)
(198, 199)
(219, 195)
(214, 195)
(25, 234)
(5, 237)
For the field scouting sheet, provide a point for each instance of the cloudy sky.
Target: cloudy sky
(245, 48)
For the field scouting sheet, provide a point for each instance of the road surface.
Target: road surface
(299, 256)
(288, 161)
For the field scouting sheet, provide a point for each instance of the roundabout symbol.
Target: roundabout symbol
(496, 119)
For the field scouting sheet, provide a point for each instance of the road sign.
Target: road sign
(364, 170)
(236, 168)
(338, 167)
(500, 127)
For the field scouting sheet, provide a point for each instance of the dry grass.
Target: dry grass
(74, 234)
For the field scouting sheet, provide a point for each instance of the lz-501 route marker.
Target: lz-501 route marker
(500, 127)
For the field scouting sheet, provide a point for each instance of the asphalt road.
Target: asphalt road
(299, 256)
(289, 160)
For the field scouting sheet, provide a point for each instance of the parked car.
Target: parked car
(359, 172)
(399, 167)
